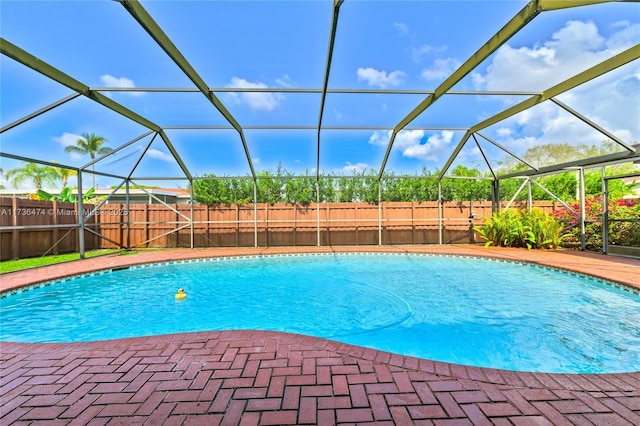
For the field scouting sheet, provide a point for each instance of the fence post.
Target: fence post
(128, 213)
(15, 233)
(237, 224)
(379, 215)
(495, 195)
(583, 229)
(356, 215)
(146, 223)
(295, 223)
(413, 222)
(55, 229)
(191, 203)
(439, 212)
(80, 216)
(529, 195)
(318, 214)
(605, 213)
(255, 213)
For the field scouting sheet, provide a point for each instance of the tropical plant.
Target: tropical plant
(65, 196)
(37, 174)
(64, 174)
(92, 145)
(624, 225)
(520, 228)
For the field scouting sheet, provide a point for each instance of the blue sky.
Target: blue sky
(283, 44)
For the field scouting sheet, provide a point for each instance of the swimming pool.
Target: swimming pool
(456, 309)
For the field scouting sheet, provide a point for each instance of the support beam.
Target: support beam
(175, 154)
(486, 160)
(113, 151)
(455, 153)
(593, 125)
(507, 151)
(312, 91)
(522, 18)
(583, 213)
(495, 196)
(153, 29)
(140, 157)
(555, 197)
(440, 218)
(327, 70)
(379, 214)
(192, 233)
(524, 183)
(33, 160)
(318, 240)
(14, 52)
(80, 217)
(597, 70)
(620, 157)
(39, 112)
(605, 212)
(565, 4)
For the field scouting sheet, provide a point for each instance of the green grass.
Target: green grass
(17, 265)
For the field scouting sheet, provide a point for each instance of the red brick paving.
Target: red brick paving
(260, 378)
(336, 386)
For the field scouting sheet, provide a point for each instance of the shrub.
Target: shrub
(520, 228)
(620, 232)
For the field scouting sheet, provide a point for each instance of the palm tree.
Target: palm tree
(39, 175)
(63, 175)
(92, 144)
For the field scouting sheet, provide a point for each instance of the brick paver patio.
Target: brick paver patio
(259, 377)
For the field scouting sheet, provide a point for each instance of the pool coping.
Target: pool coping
(119, 380)
(617, 269)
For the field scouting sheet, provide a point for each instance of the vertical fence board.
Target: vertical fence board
(233, 226)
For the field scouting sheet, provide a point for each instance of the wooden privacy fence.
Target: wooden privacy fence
(30, 228)
(154, 225)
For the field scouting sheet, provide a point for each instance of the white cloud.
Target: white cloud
(548, 124)
(284, 81)
(573, 48)
(337, 114)
(68, 139)
(122, 82)
(381, 79)
(409, 142)
(255, 101)
(440, 69)
(417, 53)
(255, 160)
(435, 148)
(610, 100)
(160, 155)
(351, 169)
(402, 27)
(380, 138)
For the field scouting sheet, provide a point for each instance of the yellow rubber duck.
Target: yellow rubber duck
(181, 294)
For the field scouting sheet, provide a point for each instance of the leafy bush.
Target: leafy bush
(620, 232)
(65, 196)
(520, 228)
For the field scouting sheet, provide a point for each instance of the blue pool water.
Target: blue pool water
(463, 310)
